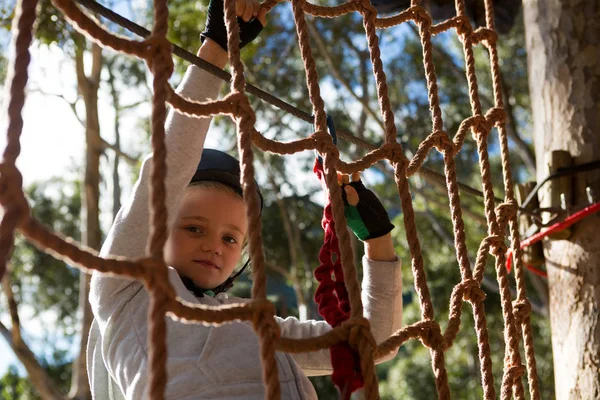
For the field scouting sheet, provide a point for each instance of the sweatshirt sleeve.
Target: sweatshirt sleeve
(382, 306)
(128, 235)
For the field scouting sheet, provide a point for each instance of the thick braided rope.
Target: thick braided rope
(161, 65)
(522, 307)
(15, 206)
(156, 51)
(264, 322)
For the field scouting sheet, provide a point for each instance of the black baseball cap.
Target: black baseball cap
(219, 166)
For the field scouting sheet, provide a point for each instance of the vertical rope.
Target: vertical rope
(10, 178)
(369, 17)
(522, 313)
(157, 336)
(245, 119)
(161, 64)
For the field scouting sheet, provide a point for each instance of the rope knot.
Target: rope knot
(486, 36)
(497, 245)
(240, 106)
(432, 335)
(480, 125)
(157, 276)
(495, 116)
(11, 192)
(463, 26)
(324, 144)
(472, 291)
(367, 8)
(521, 310)
(420, 15)
(263, 319)
(359, 329)
(393, 152)
(506, 211)
(442, 142)
(158, 55)
(515, 372)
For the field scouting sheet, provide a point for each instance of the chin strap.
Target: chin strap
(228, 284)
(223, 287)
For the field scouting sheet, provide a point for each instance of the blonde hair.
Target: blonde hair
(214, 185)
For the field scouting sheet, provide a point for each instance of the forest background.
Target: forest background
(87, 130)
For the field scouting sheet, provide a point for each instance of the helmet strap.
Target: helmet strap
(228, 284)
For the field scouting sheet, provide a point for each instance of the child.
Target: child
(208, 227)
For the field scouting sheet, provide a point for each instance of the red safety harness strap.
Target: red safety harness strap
(333, 304)
(559, 226)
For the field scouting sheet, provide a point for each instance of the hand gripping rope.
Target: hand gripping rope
(335, 307)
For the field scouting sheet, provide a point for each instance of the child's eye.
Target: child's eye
(230, 239)
(193, 229)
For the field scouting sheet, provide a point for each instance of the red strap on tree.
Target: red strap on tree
(559, 226)
(333, 303)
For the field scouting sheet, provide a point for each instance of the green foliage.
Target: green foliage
(53, 28)
(40, 280)
(14, 386)
(3, 67)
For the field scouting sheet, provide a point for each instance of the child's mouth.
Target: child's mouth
(207, 263)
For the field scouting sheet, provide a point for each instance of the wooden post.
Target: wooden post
(534, 254)
(557, 188)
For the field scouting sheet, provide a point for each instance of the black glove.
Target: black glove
(216, 31)
(368, 219)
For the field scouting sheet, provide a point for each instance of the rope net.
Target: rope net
(355, 331)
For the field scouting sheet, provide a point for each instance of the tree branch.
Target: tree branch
(130, 159)
(82, 81)
(133, 105)
(96, 64)
(38, 376)
(12, 308)
(336, 72)
(280, 270)
(72, 105)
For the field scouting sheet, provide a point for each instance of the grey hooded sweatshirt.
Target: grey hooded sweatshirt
(204, 362)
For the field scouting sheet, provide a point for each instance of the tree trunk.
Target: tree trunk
(91, 234)
(563, 44)
(37, 374)
(117, 124)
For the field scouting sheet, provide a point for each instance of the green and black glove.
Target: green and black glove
(368, 219)
(216, 31)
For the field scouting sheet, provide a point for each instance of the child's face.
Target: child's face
(205, 243)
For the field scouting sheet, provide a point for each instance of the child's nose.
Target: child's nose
(212, 244)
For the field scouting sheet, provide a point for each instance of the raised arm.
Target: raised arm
(184, 142)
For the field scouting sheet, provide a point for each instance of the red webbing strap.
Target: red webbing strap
(332, 301)
(559, 226)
